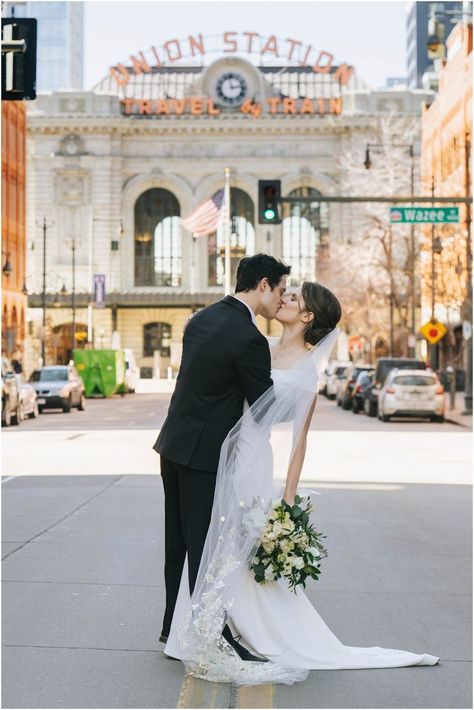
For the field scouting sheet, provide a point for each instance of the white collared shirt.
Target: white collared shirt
(254, 320)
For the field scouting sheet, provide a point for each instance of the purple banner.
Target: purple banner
(99, 290)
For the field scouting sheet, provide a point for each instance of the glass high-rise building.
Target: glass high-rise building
(60, 48)
(418, 15)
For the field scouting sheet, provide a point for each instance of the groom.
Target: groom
(225, 361)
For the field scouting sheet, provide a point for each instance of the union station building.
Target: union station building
(114, 170)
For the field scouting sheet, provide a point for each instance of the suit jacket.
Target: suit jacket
(225, 361)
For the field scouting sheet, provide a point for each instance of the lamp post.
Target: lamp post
(44, 226)
(73, 243)
(412, 256)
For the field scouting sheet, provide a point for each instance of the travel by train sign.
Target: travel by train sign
(423, 215)
(198, 106)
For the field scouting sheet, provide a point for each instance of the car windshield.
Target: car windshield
(58, 375)
(414, 380)
(339, 370)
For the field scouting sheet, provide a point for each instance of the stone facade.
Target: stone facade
(88, 164)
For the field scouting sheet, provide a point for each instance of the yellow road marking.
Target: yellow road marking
(197, 693)
(255, 696)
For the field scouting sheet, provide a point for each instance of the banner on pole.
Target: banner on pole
(99, 291)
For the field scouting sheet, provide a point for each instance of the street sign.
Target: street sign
(423, 215)
(433, 331)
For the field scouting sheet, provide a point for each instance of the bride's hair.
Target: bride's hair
(320, 301)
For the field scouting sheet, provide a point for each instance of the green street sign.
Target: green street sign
(424, 215)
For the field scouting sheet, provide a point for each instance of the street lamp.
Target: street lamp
(368, 165)
(44, 226)
(435, 42)
(72, 244)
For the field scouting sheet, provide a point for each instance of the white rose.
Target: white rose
(269, 573)
(298, 563)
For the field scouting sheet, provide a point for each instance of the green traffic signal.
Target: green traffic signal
(269, 213)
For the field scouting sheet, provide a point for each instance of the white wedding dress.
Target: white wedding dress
(282, 626)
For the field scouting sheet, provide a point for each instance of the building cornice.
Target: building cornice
(206, 126)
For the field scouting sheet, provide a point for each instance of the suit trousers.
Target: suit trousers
(189, 495)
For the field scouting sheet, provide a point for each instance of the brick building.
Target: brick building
(14, 301)
(446, 168)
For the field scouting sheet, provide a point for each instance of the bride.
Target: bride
(260, 462)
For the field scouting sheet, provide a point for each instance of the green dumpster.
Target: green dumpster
(102, 371)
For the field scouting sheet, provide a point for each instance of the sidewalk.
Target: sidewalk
(83, 597)
(455, 415)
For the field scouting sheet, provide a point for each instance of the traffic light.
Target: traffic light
(269, 192)
(18, 58)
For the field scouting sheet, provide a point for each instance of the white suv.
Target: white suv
(411, 393)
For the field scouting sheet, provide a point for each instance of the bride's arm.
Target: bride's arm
(296, 464)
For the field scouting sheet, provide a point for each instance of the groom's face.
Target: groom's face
(270, 298)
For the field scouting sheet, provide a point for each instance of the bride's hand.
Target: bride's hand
(290, 500)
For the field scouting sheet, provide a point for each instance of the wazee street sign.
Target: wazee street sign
(433, 331)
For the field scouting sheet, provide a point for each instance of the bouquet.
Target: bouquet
(290, 546)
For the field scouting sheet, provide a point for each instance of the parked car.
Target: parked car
(411, 393)
(364, 380)
(382, 368)
(341, 385)
(28, 399)
(347, 385)
(58, 386)
(132, 371)
(10, 395)
(323, 380)
(335, 370)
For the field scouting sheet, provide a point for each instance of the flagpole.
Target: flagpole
(227, 274)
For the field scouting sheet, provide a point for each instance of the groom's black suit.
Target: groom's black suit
(225, 360)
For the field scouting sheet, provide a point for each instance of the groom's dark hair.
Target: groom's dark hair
(252, 269)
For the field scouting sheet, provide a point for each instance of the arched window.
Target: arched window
(156, 337)
(305, 230)
(158, 252)
(242, 237)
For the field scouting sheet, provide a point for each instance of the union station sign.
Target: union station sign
(232, 82)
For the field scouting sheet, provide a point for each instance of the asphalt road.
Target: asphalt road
(83, 597)
(148, 411)
(116, 437)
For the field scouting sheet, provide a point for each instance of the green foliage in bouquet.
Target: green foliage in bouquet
(290, 546)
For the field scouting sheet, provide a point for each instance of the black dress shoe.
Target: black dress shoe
(240, 650)
(163, 638)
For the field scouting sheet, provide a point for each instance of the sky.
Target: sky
(368, 35)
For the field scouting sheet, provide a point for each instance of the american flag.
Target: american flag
(207, 217)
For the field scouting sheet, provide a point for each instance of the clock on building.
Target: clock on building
(231, 88)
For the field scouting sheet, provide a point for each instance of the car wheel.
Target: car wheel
(355, 409)
(439, 420)
(372, 409)
(6, 413)
(385, 418)
(338, 402)
(82, 403)
(40, 409)
(67, 405)
(331, 396)
(346, 405)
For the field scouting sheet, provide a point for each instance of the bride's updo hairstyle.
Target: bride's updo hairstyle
(320, 301)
